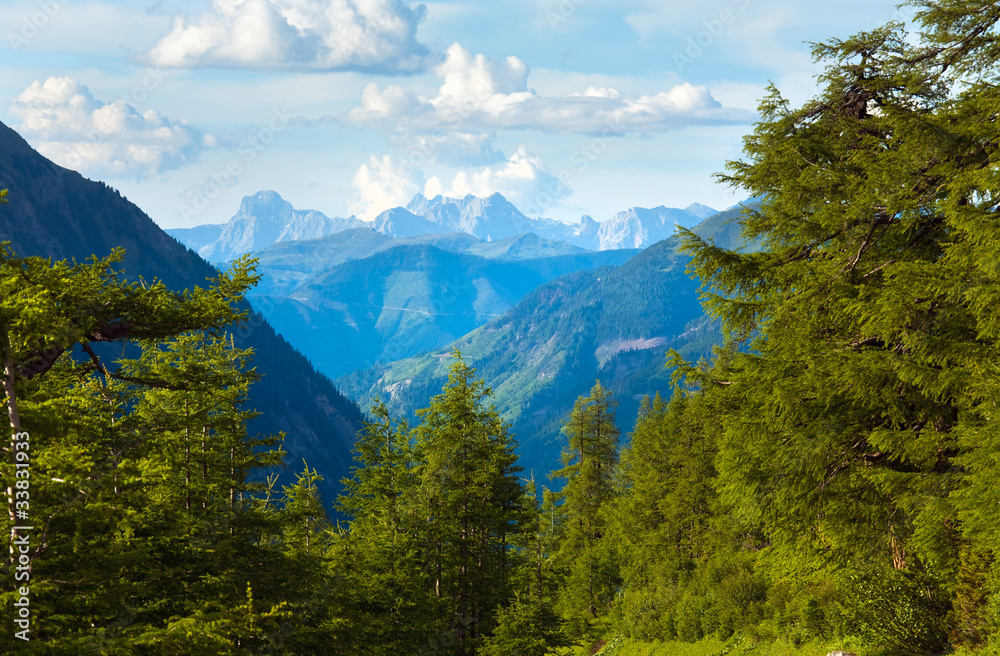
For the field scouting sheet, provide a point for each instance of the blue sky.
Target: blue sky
(567, 107)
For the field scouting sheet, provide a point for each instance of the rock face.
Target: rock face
(490, 218)
(400, 222)
(263, 219)
(639, 227)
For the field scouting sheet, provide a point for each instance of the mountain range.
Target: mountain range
(540, 308)
(54, 212)
(401, 297)
(612, 323)
(265, 219)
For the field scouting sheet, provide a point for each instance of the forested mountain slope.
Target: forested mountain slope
(55, 212)
(402, 301)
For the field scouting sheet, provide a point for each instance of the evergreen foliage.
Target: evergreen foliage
(148, 534)
(585, 554)
(436, 512)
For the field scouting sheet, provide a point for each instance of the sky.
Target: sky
(566, 107)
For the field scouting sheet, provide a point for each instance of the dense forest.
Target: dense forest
(828, 478)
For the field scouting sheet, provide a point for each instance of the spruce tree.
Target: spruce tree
(380, 556)
(662, 520)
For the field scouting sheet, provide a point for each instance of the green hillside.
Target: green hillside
(412, 298)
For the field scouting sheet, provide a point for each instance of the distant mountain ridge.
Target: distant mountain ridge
(265, 219)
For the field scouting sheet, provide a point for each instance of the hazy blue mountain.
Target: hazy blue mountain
(613, 323)
(400, 222)
(394, 304)
(265, 219)
(639, 227)
(495, 217)
(700, 211)
(262, 219)
(524, 247)
(55, 212)
(285, 266)
(197, 237)
(410, 296)
(490, 218)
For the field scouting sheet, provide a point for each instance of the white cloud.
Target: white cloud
(377, 35)
(481, 83)
(478, 93)
(69, 126)
(523, 179)
(382, 184)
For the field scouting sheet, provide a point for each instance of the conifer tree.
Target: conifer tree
(388, 581)
(152, 536)
(857, 419)
(589, 463)
(472, 498)
(436, 513)
(662, 519)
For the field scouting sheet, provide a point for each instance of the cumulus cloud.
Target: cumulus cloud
(481, 83)
(481, 93)
(382, 184)
(71, 127)
(328, 35)
(523, 179)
